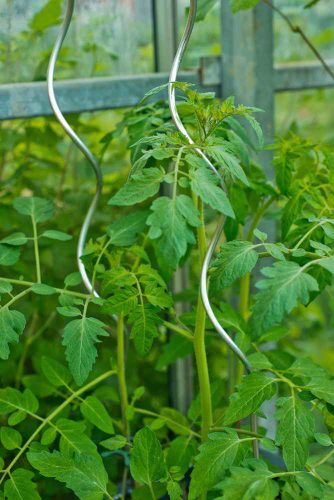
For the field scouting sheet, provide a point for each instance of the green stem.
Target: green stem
(306, 235)
(244, 296)
(121, 374)
(17, 297)
(324, 459)
(239, 431)
(52, 415)
(152, 491)
(58, 290)
(149, 413)
(199, 342)
(258, 216)
(36, 249)
(179, 330)
(24, 355)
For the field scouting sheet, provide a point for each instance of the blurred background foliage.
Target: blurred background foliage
(109, 37)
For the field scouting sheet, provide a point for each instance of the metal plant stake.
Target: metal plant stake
(77, 141)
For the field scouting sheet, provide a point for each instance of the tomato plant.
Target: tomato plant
(84, 404)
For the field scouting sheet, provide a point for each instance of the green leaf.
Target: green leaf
(253, 390)
(144, 322)
(9, 255)
(57, 374)
(114, 443)
(20, 486)
(15, 239)
(323, 439)
(12, 400)
(256, 127)
(229, 163)
(73, 279)
(147, 461)
(38, 209)
(10, 438)
(5, 287)
(80, 337)
(175, 421)
(73, 439)
(38, 385)
(48, 16)
(204, 184)
(69, 311)
(295, 430)
(250, 484)
(174, 490)
(155, 289)
(49, 436)
(216, 455)
(313, 487)
(235, 259)
(56, 235)
(84, 474)
(177, 347)
(237, 5)
(41, 289)
(180, 454)
(286, 286)
(12, 325)
(123, 301)
(204, 7)
(125, 230)
(139, 187)
(94, 411)
(186, 207)
(327, 263)
(169, 227)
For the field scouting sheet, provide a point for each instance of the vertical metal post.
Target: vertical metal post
(247, 63)
(248, 74)
(165, 20)
(165, 33)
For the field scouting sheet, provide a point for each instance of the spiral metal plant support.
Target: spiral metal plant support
(205, 266)
(78, 142)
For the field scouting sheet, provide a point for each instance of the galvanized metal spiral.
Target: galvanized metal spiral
(220, 227)
(78, 142)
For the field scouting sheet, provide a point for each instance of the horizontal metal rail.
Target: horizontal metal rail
(27, 100)
(287, 76)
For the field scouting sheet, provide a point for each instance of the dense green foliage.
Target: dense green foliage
(84, 399)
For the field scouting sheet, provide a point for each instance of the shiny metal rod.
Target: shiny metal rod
(77, 141)
(204, 273)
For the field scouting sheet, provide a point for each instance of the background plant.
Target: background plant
(77, 425)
